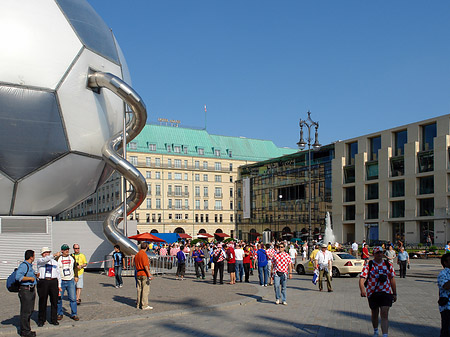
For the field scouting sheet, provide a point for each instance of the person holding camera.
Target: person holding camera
(143, 277)
(443, 281)
(377, 283)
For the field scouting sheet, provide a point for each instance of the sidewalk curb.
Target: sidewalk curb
(165, 314)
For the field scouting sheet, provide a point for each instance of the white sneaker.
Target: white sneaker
(277, 302)
(117, 287)
(284, 303)
(121, 286)
(147, 308)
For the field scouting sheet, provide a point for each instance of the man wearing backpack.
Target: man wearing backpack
(377, 283)
(263, 270)
(27, 294)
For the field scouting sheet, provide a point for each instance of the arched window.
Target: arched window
(154, 231)
(179, 230)
(286, 230)
(252, 230)
(267, 230)
(202, 231)
(218, 230)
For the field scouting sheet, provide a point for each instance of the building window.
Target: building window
(197, 165)
(397, 188)
(218, 178)
(170, 216)
(169, 175)
(205, 165)
(205, 191)
(196, 217)
(218, 205)
(132, 146)
(375, 145)
(426, 232)
(148, 161)
(177, 163)
(153, 217)
(169, 189)
(157, 162)
(158, 204)
(231, 179)
(158, 189)
(149, 203)
(186, 217)
(425, 161)
(231, 217)
(231, 167)
(206, 218)
(169, 203)
(349, 194)
(217, 153)
(372, 170)
(400, 139)
(185, 176)
(205, 204)
(230, 154)
(220, 218)
(197, 177)
(177, 176)
(231, 192)
(178, 204)
(349, 174)
(185, 164)
(201, 151)
(352, 150)
(372, 192)
(426, 207)
(197, 204)
(426, 185)
(152, 147)
(197, 191)
(428, 135)
(397, 166)
(215, 218)
(218, 166)
(372, 211)
(186, 204)
(178, 216)
(231, 205)
(201, 217)
(178, 190)
(157, 175)
(218, 192)
(134, 160)
(398, 209)
(185, 149)
(169, 148)
(148, 174)
(205, 177)
(169, 162)
(159, 217)
(177, 149)
(350, 212)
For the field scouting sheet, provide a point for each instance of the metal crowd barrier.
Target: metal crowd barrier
(158, 265)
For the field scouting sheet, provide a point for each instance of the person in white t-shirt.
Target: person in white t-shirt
(324, 260)
(239, 256)
(293, 254)
(355, 248)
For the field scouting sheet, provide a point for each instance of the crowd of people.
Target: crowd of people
(273, 262)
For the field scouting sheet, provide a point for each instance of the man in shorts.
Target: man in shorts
(377, 283)
(81, 261)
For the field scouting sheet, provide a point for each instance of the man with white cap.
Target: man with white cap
(49, 285)
(324, 260)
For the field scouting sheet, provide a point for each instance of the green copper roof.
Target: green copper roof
(238, 148)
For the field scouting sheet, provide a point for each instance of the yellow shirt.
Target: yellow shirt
(329, 248)
(81, 259)
(313, 254)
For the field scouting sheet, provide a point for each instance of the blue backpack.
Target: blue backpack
(12, 284)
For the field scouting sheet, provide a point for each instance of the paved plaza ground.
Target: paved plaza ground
(199, 308)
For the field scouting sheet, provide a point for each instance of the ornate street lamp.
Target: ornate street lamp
(309, 124)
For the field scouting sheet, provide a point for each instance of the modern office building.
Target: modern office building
(272, 196)
(388, 185)
(394, 184)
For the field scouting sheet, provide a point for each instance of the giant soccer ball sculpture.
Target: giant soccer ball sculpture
(63, 83)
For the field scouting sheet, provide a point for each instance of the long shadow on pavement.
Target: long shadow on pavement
(418, 330)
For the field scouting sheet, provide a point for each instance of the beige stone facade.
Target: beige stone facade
(394, 184)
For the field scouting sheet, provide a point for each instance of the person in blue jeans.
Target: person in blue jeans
(263, 269)
(119, 262)
(239, 255)
(69, 275)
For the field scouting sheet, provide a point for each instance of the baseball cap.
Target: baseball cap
(64, 247)
(45, 249)
(377, 249)
(324, 245)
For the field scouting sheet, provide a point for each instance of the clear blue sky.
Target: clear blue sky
(259, 66)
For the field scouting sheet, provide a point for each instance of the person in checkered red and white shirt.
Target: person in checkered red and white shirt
(380, 289)
(282, 267)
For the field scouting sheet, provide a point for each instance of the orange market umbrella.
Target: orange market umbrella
(146, 237)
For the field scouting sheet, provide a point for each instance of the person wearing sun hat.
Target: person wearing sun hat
(48, 286)
(377, 283)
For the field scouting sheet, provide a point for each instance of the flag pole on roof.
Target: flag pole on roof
(205, 116)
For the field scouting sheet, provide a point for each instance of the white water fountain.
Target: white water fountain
(329, 236)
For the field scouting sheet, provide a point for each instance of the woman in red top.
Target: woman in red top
(365, 252)
(247, 261)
